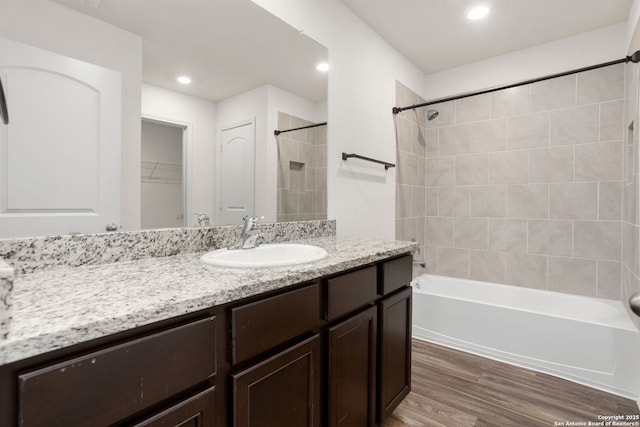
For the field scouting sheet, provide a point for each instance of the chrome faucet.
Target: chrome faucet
(203, 219)
(250, 234)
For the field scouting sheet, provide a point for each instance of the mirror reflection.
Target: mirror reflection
(103, 136)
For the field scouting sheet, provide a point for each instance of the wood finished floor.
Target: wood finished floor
(456, 389)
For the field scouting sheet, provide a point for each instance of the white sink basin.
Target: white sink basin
(275, 255)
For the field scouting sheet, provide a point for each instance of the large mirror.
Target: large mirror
(183, 153)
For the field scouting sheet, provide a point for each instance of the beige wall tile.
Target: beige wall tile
(473, 108)
(600, 85)
(488, 135)
(572, 276)
(453, 201)
(510, 102)
(601, 161)
(487, 266)
(403, 201)
(551, 164)
(610, 200)
(321, 179)
(321, 156)
(471, 233)
(631, 247)
(630, 285)
(440, 172)
(529, 271)
(508, 235)
(439, 231)
(409, 229)
(305, 202)
(431, 201)
(631, 197)
(529, 131)
(577, 125)
(453, 262)
(573, 201)
(509, 167)
(472, 169)
(550, 237)
(431, 258)
(528, 201)
(598, 239)
(408, 133)
(453, 140)
(488, 201)
(417, 201)
(553, 94)
(609, 280)
(431, 142)
(407, 172)
(611, 115)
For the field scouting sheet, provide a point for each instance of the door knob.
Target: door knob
(634, 303)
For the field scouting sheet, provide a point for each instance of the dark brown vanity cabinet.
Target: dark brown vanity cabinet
(394, 314)
(278, 338)
(283, 390)
(352, 370)
(111, 385)
(332, 352)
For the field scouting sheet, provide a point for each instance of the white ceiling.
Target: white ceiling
(226, 46)
(436, 35)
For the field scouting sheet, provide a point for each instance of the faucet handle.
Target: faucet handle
(202, 218)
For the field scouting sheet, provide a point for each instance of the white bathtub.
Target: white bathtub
(587, 340)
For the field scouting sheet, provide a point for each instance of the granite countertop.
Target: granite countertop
(62, 307)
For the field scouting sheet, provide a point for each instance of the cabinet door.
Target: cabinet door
(395, 352)
(352, 370)
(196, 411)
(283, 390)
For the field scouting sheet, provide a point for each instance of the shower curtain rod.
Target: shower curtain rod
(278, 132)
(635, 57)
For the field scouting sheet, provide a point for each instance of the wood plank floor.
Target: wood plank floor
(452, 388)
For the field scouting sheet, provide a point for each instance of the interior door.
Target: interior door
(60, 152)
(237, 146)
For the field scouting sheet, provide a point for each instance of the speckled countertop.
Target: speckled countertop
(59, 308)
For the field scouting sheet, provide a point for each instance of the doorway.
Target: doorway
(163, 195)
(236, 166)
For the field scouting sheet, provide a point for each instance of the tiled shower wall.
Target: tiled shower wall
(521, 186)
(631, 190)
(302, 171)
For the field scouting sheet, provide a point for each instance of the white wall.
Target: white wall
(199, 116)
(362, 78)
(583, 50)
(633, 31)
(48, 25)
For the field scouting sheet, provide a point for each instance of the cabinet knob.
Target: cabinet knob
(112, 227)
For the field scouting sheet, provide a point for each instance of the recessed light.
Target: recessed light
(323, 66)
(478, 13)
(185, 80)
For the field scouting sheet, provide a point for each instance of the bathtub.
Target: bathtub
(587, 340)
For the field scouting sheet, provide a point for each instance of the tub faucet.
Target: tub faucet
(250, 233)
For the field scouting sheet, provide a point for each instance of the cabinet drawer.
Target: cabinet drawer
(106, 386)
(396, 274)
(351, 291)
(264, 324)
(196, 411)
